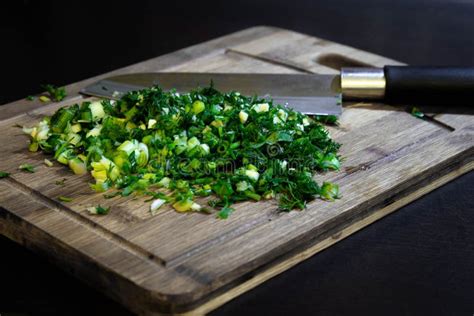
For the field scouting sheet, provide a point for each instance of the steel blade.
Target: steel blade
(307, 93)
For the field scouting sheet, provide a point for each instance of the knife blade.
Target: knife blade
(307, 93)
(317, 94)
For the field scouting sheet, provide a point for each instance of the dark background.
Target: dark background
(418, 261)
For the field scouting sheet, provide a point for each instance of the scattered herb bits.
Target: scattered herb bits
(55, 93)
(44, 99)
(203, 143)
(4, 174)
(65, 199)
(27, 167)
(98, 210)
(417, 113)
(48, 163)
(156, 204)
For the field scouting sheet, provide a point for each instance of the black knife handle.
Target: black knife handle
(429, 85)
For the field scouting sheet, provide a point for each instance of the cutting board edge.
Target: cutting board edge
(138, 298)
(21, 229)
(280, 265)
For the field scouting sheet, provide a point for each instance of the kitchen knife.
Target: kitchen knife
(313, 93)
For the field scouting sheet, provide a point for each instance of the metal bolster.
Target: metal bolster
(362, 83)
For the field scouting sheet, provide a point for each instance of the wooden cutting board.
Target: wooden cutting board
(193, 263)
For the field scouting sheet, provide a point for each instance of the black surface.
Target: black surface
(418, 261)
(55, 42)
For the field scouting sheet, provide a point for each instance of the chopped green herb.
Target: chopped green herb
(329, 191)
(30, 98)
(98, 210)
(65, 199)
(55, 93)
(27, 167)
(225, 212)
(417, 113)
(195, 144)
(4, 174)
(44, 98)
(326, 119)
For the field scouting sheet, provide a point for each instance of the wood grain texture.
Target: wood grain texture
(181, 263)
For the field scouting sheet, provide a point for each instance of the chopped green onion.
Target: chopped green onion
(198, 107)
(44, 98)
(33, 147)
(27, 167)
(98, 210)
(97, 110)
(329, 191)
(225, 212)
(65, 199)
(190, 145)
(183, 206)
(77, 166)
(417, 113)
(156, 204)
(56, 93)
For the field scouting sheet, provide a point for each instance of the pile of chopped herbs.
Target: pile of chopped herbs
(176, 147)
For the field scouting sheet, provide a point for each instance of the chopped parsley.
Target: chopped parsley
(98, 210)
(417, 113)
(55, 93)
(203, 143)
(4, 174)
(27, 167)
